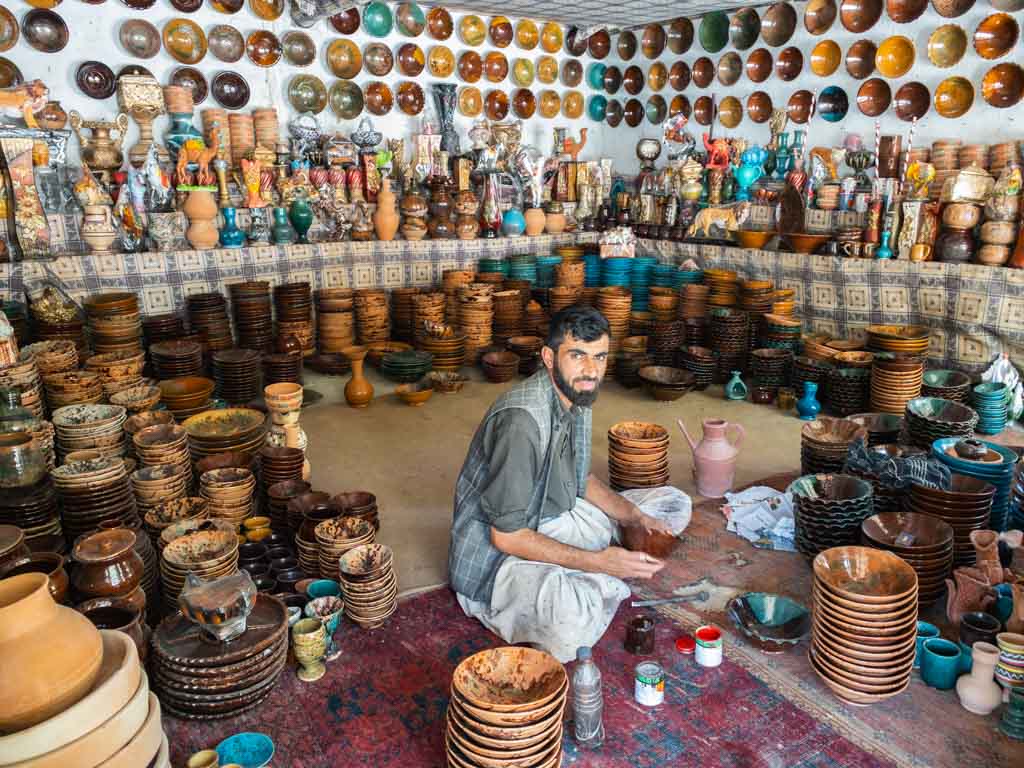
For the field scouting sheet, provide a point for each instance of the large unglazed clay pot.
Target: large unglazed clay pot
(385, 219)
(201, 209)
(51, 654)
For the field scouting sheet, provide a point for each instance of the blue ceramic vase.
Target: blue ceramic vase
(230, 235)
(301, 217)
(282, 230)
(512, 223)
(808, 407)
(735, 389)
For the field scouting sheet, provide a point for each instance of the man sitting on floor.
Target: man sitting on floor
(532, 552)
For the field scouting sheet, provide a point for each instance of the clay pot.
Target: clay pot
(51, 654)
(385, 219)
(961, 215)
(110, 614)
(554, 223)
(49, 563)
(201, 209)
(107, 564)
(52, 117)
(535, 221)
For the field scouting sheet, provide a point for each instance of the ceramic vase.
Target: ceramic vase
(735, 389)
(535, 221)
(978, 691)
(808, 407)
(309, 643)
(52, 117)
(230, 235)
(259, 230)
(179, 131)
(98, 228)
(554, 221)
(490, 210)
(51, 654)
(444, 98)
(358, 390)
(201, 209)
(107, 564)
(385, 218)
(282, 230)
(513, 223)
(301, 216)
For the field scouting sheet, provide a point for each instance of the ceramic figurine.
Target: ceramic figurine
(251, 176)
(808, 407)
(282, 230)
(444, 97)
(490, 209)
(735, 389)
(978, 691)
(714, 458)
(968, 590)
(572, 148)
(230, 235)
(385, 218)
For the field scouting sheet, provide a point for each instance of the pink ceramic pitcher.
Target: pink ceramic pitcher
(714, 458)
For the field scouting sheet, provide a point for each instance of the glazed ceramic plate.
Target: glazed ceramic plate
(599, 44)
(500, 32)
(377, 59)
(612, 80)
(227, 6)
(441, 61)
(135, 5)
(703, 72)
(778, 24)
(954, 97)
(230, 90)
(833, 104)
(730, 67)
(95, 79)
(572, 73)
(575, 44)
(825, 58)
(996, 35)
(633, 112)
(263, 48)
(895, 56)
(410, 19)
(409, 97)
(799, 106)
(471, 66)
(134, 69)
(299, 48)
(860, 59)
(268, 10)
(472, 29)
(911, 101)
(905, 11)
(346, 100)
(680, 36)
(495, 66)
(730, 112)
(527, 34)
(184, 40)
(439, 23)
(550, 104)
(377, 21)
(656, 108)
(411, 60)
(625, 46)
(192, 79)
(759, 107)
(10, 75)
(523, 74)
(346, 22)
(185, 6)
(789, 63)
(496, 105)
(306, 93)
(947, 45)
(744, 28)
(950, 9)
(679, 76)
(704, 110)
(759, 65)
(471, 101)
(597, 108)
(524, 103)
(44, 30)
(819, 16)
(860, 15)
(680, 105)
(378, 98)
(139, 38)
(226, 43)
(551, 37)
(1003, 85)
(572, 105)
(344, 59)
(9, 31)
(547, 69)
(613, 113)
(713, 32)
(874, 97)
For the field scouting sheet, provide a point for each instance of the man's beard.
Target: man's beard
(575, 396)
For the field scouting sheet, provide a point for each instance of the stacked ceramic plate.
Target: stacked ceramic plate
(139, 421)
(157, 485)
(449, 352)
(849, 390)
(164, 444)
(34, 510)
(92, 492)
(994, 464)
(990, 400)
(278, 464)
(368, 584)
(361, 504)
(278, 496)
(237, 375)
(883, 428)
(730, 338)
(864, 628)
(57, 356)
(118, 370)
(282, 367)
(90, 427)
(373, 321)
(615, 303)
(406, 366)
(174, 359)
(637, 455)
(810, 369)
(966, 507)
(228, 429)
(24, 377)
(928, 419)
(72, 388)
(176, 511)
(724, 285)
(828, 510)
(899, 339)
(208, 554)
(894, 382)
(949, 385)
(336, 537)
(199, 678)
(528, 349)
(250, 304)
(137, 399)
(228, 493)
(825, 442)
(922, 541)
(114, 324)
(665, 339)
(506, 709)
(336, 321)
(781, 332)
(701, 362)
(771, 367)
(208, 315)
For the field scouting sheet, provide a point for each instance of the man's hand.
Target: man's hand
(652, 524)
(623, 564)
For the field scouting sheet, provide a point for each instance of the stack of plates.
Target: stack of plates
(208, 314)
(849, 390)
(616, 272)
(640, 280)
(197, 678)
(368, 584)
(922, 541)
(335, 318)
(883, 428)
(449, 353)
(282, 367)
(176, 511)
(730, 338)
(157, 486)
(164, 327)
(164, 444)
(94, 427)
(118, 370)
(186, 396)
(701, 362)
(990, 400)
(524, 268)
(996, 466)
(114, 324)
(33, 509)
(506, 708)
(724, 285)
(278, 464)
(250, 304)
(615, 304)
(336, 537)
(637, 455)
(92, 492)
(403, 313)
(72, 388)
(900, 339)
(373, 322)
(628, 365)
(825, 442)
(226, 429)
(949, 385)
(174, 359)
(228, 493)
(207, 554)
(24, 377)
(278, 496)
(361, 504)
(293, 304)
(561, 296)
(771, 367)
(376, 351)
(815, 348)
(782, 332)
(864, 630)
(929, 418)
(966, 507)
(236, 373)
(894, 382)
(407, 366)
(828, 510)
(694, 302)
(546, 271)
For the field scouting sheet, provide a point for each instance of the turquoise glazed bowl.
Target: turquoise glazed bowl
(323, 588)
(249, 750)
(773, 623)
(597, 108)
(377, 19)
(595, 75)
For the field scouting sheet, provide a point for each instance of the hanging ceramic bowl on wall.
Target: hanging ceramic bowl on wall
(410, 98)
(268, 10)
(599, 44)
(192, 79)
(819, 16)
(680, 105)
(625, 46)
(527, 34)
(911, 101)
(874, 97)
(230, 90)
(950, 9)
(760, 65)
(613, 113)
(344, 59)
(306, 93)
(633, 112)
(759, 107)
(730, 67)
(524, 103)
(799, 106)
(1003, 85)
(299, 48)
(471, 101)
(495, 66)
(378, 98)
(377, 59)
(778, 24)
(184, 40)
(439, 23)
(572, 73)
(633, 79)
(713, 32)
(597, 109)
(411, 60)
(523, 73)
(653, 40)
(825, 58)
(656, 109)
(346, 22)
(410, 19)
(833, 104)
(905, 11)
(703, 72)
(730, 112)
(860, 15)
(550, 104)
(496, 105)
(346, 100)
(226, 43)
(744, 28)
(895, 56)
(612, 80)
(860, 59)
(547, 69)
(680, 36)
(789, 64)
(140, 38)
(704, 110)
(500, 31)
(657, 76)
(9, 31)
(471, 66)
(551, 37)
(378, 21)
(572, 104)
(679, 76)
(947, 45)
(263, 48)
(95, 79)
(954, 97)
(441, 61)
(996, 35)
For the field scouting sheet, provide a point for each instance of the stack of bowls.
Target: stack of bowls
(34, 510)
(176, 359)
(299, 507)
(278, 496)
(665, 338)
(898, 339)
(278, 463)
(701, 362)
(771, 367)
(506, 708)
(730, 338)
(1015, 518)
(449, 352)
(990, 400)
(165, 515)
(995, 465)
(828, 510)
(966, 507)
(883, 428)
(140, 421)
(616, 271)
(1010, 668)
(694, 301)
(157, 486)
(628, 365)
(282, 367)
(336, 537)
(406, 366)
(615, 303)
(163, 327)
(335, 319)
(894, 382)
(476, 315)
(666, 384)
(849, 390)
(810, 369)
(72, 388)
(508, 315)
(208, 315)
(637, 455)
(250, 304)
(24, 377)
(527, 348)
(92, 492)
(922, 541)
(241, 430)
(186, 396)
(928, 419)
(293, 305)
(164, 444)
(724, 285)
(949, 385)
(56, 356)
(93, 427)
(782, 332)
(825, 442)
(137, 399)
(228, 493)
(314, 508)
(114, 324)
(118, 370)
(499, 366)
(403, 313)
(236, 373)
(360, 504)
(207, 554)
(864, 630)
(369, 584)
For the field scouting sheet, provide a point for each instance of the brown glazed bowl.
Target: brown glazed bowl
(905, 11)
(573, 42)
(501, 32)
(410, 97)
(799, 106)
(96, 80)
(759, 65)
(626, 45)
(730, 67)
(950, 9)
(496, 66)
(704, 110)
(744, 27)
(633, 112)
(657, 76)
(496, 105)
(524, 103)
(703, 72)
(346, 22)
(263, 48)
(680, 36)
(1003, 85)
(778, 24)
(44, 30)
(860, 15)
(947, 45)
(633, 79)
(572, 72)
(860, 59)
(471, 66)
(789, 63)
(299, 48)
(911, 101)
(613, 79)
(819, 16)
(996, 35)
(680, 105)
(653, 40)
(439, 23)
(378, 59)
(678, 76)
(599, 44)
(613, 113)
(226, 43)
(874, 97)
(954, 97)
(378, 98)
(730, 112)
(411, 60)
(759, 106)
(825, 58)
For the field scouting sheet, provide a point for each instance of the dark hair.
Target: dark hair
(583, 322)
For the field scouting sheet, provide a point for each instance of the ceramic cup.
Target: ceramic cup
(924, 632)
(709, 646)
(940, 663)
(920, 252)
(323, 588)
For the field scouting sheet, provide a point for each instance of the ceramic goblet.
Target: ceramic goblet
(309, 643)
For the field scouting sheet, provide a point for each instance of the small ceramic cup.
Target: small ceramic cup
(924, 632)
(205, 759)
(323, 588)
(940, 663)
(708, 652)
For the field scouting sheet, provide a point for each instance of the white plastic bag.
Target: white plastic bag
(1002, 371)
(664, 503)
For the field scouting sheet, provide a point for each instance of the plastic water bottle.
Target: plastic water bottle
(587, 700)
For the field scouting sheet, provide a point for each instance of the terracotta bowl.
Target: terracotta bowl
(789, 63)
(861, 574)
(511, 679)
(703, 72)
(860, 15)
(947, 45)
(874, 97)
(860, 59)
(819, 16)
(996, 35)
(905, 11)
(655, 544)
(895, 56)
(759, 109)
(911, 101)
(680, 105)
(1003, 85)
(778, 24)
(760, 65)
(954, 97)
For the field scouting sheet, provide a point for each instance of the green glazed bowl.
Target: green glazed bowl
(377, 19)
(714, 31)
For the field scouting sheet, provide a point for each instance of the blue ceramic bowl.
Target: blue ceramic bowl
(595, 75)
(377, 19)
(597, 108)
(249, 750)
(323, 588)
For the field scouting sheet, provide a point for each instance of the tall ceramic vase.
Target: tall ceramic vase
(201, 209)
(385, 218)
(358, 391)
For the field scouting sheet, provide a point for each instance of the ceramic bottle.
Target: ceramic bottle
(714, 458)
(808, 407)
(358, 390)
(301, 216)
(735, 389)
(385, 219)
(978, 691)
(201, 209)
(282, 230)
(230, 235)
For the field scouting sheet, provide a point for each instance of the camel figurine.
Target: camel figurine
(572, 148)
(24, 101)
(727, 219)
(195, 151)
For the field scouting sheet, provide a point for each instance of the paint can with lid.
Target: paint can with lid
(649, 684)
(709, 646)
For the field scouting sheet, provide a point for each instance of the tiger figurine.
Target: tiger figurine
(727, 219)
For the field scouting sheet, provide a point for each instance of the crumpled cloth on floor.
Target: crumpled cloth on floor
(903, 472)
(763, 516)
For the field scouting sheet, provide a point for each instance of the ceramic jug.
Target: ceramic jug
(978, 691)
(968, 590)
(714, 458)
(808, 406)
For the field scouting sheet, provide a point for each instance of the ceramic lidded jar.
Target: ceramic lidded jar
(108, 565)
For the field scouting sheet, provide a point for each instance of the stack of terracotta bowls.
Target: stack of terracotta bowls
(164, 515)
(165, 327)
(186, 396)
(279, 464)
(208, 554)
(403, 313)
(250, 304)
(369, 584)
(24, 377)
(118, 370)
(282, 367)
(72, 388)
(949, 385)
(335, 320)
(864, 628)
(637, 455)
(198, 678)
(336, 537)
(883, 428)
(499, 367)
(730, 338)
(139, 399)
(293, 305)
(665, 338)
(528, 349)
(94, 427)
(373, 321)
(828, 510)
(476, 314)
(449, 350)
(663, 304)
(278, 496)
(508, 315)
(360, 504)
(988, 461)
(928, 419)
(701, 362)
(164, 444)
(241, 430)
(305, 512)
(92, 492)
(157, 485)
(848, 391)
(176, 359)
(236, 373)
(724, 285)
(966, 507)
(506, 708)
(825, 442)
(428, 309)
(228, 493)
(615, 303)
(208, 314)
(57, 356)
(139, 421)
(922, 541)
(114, 322)
(562, 296)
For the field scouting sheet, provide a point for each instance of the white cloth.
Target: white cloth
(555, 608)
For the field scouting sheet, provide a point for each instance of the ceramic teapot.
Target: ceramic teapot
(714, 458)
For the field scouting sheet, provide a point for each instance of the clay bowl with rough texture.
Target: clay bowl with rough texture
(510, 679)
(951, 9)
